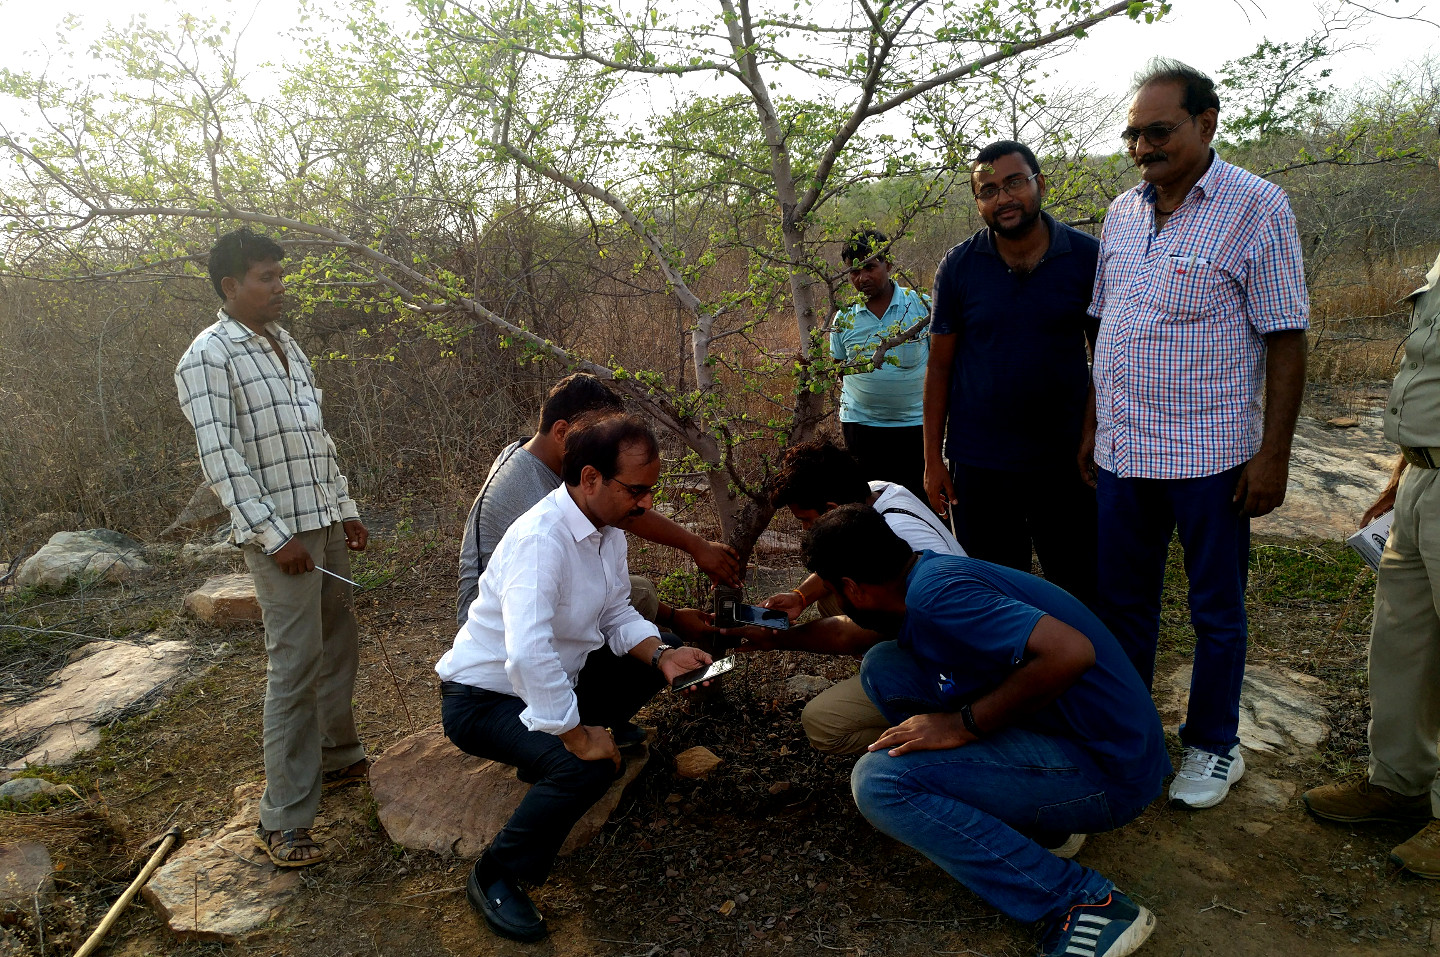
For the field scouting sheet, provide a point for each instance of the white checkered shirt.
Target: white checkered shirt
(263, 444)
(1183, 314)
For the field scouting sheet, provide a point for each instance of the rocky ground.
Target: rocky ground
(765, 855)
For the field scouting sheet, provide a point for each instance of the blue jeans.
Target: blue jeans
(976, 811)
(1137, 518)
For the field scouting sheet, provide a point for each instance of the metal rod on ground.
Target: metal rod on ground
(172, 837)
(383, 651)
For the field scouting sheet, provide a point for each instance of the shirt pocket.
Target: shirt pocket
(1184, 289)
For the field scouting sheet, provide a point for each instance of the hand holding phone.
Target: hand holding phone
(700, 675)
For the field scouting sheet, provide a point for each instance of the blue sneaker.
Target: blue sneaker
(1113, 927)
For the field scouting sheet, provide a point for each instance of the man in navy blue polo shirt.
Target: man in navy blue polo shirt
(1017, 725)
(1008, 374)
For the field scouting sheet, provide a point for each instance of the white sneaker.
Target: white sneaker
(1205, 778)
(1069, 847)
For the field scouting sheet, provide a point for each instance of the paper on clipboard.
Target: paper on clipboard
(1370, 540)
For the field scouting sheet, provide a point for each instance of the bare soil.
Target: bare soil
(766, 856)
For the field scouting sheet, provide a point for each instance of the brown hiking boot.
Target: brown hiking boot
(1421, 854)
(1356, 799)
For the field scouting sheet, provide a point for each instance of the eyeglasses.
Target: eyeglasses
(636, 491)
(1156, 134)
(1013, 186)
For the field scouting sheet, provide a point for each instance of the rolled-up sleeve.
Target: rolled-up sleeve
(1276, 298)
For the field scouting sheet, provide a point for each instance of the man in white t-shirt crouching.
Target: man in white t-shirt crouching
(814, 478)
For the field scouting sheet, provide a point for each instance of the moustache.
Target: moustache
(1149, 158)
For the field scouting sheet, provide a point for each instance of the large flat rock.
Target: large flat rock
(1335, 475)
(65, 718)
(98, 555)
(223, 887)
(434, 797)
(1280, 711)
(225, 599)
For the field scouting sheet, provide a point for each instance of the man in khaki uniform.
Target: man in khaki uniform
(1403, 783)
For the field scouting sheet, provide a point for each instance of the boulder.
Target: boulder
(224, 887)
(434, 797)
(696, 763)
(96, 555)
(65, 718)
(25, 873)
(202, 512)
(1280, 710)
(223, 600)
(24, 790)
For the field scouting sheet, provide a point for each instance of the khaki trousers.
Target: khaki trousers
(841, 719)
(644, 598)
(1405, 645)
(312, 651)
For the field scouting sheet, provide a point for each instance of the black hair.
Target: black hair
(597, 439)
(235, 252)
(854, 541)
(814, 473)
(1001, 148)
(1199, 94)
(573, 396)
(864, 243)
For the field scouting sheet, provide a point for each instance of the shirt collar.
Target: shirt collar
(1432, 279)
(1203, 186)
(579, 526)
(239, 332)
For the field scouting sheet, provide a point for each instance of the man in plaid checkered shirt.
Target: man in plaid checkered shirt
(1200, 293)
(246, 388)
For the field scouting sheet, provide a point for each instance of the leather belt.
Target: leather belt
(1420, 457)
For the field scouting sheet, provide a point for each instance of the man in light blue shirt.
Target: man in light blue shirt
(882, 411)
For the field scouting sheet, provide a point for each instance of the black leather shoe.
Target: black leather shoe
(505, 907)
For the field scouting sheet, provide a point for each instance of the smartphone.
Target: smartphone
(712, 670)
(726, 601)
(764, 617)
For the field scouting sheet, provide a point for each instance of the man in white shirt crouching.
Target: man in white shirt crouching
(516, 687)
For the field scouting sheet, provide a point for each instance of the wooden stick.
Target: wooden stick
(172, 837)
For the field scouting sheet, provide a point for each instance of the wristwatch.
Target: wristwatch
(655, 655)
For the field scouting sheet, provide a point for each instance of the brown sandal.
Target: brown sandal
(289, 848)
(359, 771)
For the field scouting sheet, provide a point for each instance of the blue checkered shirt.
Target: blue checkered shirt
(1183, 314)
(263, 444)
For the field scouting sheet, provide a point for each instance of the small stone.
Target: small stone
(779, 786)
(1343, 422)
(806, 686)
(673, 798)
(696, 762)
(727, 908)
(1256, 828)
(21, 790)
(225, 599)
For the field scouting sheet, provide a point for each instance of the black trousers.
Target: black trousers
(889, 453)
(487, 724)
(1000, 514)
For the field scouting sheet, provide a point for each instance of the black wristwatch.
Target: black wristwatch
(968, 716)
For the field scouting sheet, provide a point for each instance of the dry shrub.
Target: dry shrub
(1358, 323)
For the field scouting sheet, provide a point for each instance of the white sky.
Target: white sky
(1204, 33)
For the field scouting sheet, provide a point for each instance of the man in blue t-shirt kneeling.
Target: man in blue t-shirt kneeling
(1018, 726)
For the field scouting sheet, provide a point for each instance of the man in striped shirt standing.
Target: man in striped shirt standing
(247, 390)
(1200, 293)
